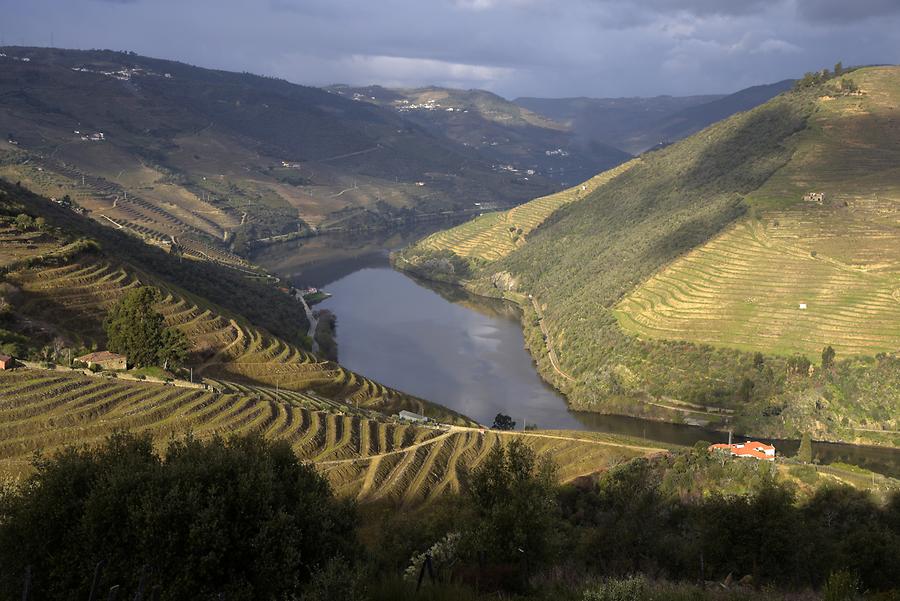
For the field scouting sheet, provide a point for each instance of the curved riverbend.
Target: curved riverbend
(467, 353)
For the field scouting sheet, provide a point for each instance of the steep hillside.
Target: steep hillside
(58, 293)
(803, 273)
(638, 124)
(494, 235)
(511, 136)
(707, 245)
(208, 156)
(366, 456)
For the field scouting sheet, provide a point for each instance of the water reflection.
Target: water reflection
(440, 343)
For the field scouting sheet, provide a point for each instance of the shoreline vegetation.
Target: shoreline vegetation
(653, 216)
(530, 325)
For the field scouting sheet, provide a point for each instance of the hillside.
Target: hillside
(365, 455)
(506, 133)
(57, 293)
(213, 158)
(643, 290)
(638, 124)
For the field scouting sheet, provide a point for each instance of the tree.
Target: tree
(828, 357)
(24, 222)
(745, 390)
(758, 361)
(173, 348)
(177, 512)
(135, 329)
(503, 422)
(513, 497)
(804, 453)
(838, 69)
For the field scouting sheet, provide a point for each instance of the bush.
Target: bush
(242, 517)
(633, 588)
(841, 586)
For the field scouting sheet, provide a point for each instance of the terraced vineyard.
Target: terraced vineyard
(153, 220)
(366, 458)
(493, 236)
(753, 289)
(47, 410)
(805, 274)
(75, 297)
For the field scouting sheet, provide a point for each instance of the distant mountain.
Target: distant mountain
(615, 121)
(509, 135)
(215, 156)
(694, 118)
(639, 124)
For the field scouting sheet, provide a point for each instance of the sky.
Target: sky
(548, 48)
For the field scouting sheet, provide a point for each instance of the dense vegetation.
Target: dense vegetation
(166, 522)
(135, 329)
(241, 517)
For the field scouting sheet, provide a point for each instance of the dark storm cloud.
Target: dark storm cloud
(841, 11)
(513, 47)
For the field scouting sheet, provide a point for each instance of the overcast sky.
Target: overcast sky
(551, 48)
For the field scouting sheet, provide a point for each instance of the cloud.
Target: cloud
(512, 47)
(843, 11)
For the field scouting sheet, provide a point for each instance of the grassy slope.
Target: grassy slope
(590, 255)
(495, 235)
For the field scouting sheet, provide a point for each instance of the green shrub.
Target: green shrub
(841, 586)
(633, 588)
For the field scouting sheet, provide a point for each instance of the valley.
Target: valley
(707, 246)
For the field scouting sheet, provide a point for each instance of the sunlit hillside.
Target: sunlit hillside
(801, 274)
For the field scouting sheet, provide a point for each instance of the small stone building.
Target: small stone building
(105, 359)
(7, 362)
(818, 197)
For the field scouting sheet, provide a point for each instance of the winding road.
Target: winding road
(552, 353)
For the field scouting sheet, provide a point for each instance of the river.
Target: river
(467, 353)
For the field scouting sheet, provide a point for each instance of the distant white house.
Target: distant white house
(803, 306)
(412, 417)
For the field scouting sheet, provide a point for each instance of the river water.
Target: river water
(464, 352)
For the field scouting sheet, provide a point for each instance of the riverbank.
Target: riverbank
(658, 409)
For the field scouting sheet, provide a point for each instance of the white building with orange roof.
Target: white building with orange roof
(751, 448)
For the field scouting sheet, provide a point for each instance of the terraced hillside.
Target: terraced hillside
(804, 274)
(644, 297)
(167, 149)
(495, 235)
(76, 296)
(367, 457)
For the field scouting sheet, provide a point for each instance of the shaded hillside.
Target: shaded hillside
(239, 327)
(639, 124)
(209, 155)
(614, 121)
(694, 118)
(743, 177)
(507, 134)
